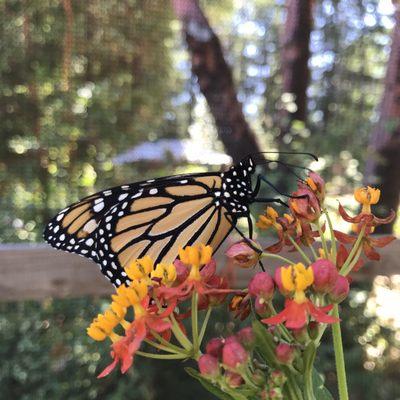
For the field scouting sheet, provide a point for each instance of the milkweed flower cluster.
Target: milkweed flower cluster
(286, 310)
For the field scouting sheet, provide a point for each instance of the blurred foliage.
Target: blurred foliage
(83, 81)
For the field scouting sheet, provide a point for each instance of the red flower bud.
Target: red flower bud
(262, 285)
(233, 353)
(246, 337)
(340, 291)
(325, 275)
(214, 347)
(244, 255)
(232, 379)
(261, 307)
(208, 366)
(285, 353)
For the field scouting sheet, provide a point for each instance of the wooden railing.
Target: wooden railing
(34, 272)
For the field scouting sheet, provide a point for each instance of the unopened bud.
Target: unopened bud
(277, 378)
(262, 285)
(325, 275)
(262, 307)
(244, 255)
(232, 379)
(234, 354)
(285, 353)
(246, 337)
(208, 366)
(214, 347)
(340, 291)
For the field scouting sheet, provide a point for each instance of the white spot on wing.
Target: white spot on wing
(98, 207)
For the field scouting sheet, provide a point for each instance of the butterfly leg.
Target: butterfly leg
(260, 179)
(270, 200)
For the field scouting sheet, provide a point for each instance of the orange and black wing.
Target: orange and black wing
(152, 218)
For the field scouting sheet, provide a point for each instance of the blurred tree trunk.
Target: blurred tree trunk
(295, 54)
(383, 162)
(215, 80)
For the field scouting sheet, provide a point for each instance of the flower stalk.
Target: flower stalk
(339, 357)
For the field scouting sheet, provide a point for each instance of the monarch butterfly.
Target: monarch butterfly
(156, 217)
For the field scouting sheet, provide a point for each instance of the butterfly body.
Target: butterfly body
(153, 217)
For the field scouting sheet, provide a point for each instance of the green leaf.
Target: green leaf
(264, 343)
(321, 392)
(208, 385)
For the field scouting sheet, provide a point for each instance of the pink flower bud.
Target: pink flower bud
(340, 291)
(301, 335)
(313, 329)
(231, 339)
(262, 285)
(261, 307)
(214, 347)
(275, 394)
(232, 379)
(285, 353)
(246, 337)
(208, 366)
(277, 378)
(234, 354)
(244, 255)
(325, 275)
(182, 271)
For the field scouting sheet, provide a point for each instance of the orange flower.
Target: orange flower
(295, 315)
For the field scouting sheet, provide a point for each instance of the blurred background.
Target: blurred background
(99, 93)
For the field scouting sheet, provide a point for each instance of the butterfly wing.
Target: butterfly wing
(155, 218)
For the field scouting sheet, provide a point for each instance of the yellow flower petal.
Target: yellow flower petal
(271, 212)
(206, 254)
(96, 333)
(184, 255)
(147, 264)
(287, 278)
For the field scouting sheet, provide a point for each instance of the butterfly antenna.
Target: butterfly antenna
(288, 152)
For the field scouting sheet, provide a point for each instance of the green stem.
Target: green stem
(345, 268)
(162, 347)
(204, 326)
(162, 356)
(278, 257)
(353, 263)
(195, 323)
(333, 239)
(293, 389)
(298, 248)
(315, 255)
(339, 357)
(165, 342)
(308, 381)
(180, 336)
